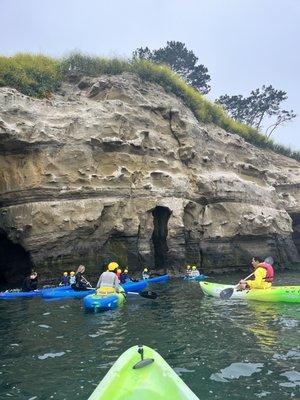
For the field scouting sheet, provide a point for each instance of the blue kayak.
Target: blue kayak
(196, 278)
(18, 294)
(65, 292)
(156, 279)
(95, 302)
(135, 286)
(58, 293)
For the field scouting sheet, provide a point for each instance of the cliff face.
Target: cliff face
(115, 167)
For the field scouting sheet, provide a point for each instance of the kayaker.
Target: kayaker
(72, 278)
(64, 280)
(124, 276)
(145, 274)
(30, 282)
(108, 281)
(195, 272)
(188, 270)
(118, 273)
(263, 276)
(80, 282)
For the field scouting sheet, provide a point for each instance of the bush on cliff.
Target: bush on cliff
(35, 75)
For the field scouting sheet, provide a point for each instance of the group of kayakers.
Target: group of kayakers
(111, 279)
(192, 271)
(263, 275)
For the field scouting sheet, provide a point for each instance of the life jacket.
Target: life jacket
(270, 271)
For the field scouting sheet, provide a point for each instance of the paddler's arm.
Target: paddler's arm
(117, 285)
(99, 282)
(259, 274)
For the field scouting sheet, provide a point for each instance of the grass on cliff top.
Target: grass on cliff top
(33, 75)
(37, 75)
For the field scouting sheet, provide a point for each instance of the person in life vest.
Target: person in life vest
(263, 276)
(195, 272)
(64, 280)
(145, 274)
(72, 278)
(108, 281)
(188, 270)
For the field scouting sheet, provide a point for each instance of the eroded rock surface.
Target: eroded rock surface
(82, 175)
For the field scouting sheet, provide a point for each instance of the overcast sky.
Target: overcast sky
(243, 43)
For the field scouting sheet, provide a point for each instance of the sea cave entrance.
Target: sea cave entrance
(161, 217)
(296, 230)
(15, 262)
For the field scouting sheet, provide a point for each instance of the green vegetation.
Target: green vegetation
(181, 60)
(262, 104)
(35, 75)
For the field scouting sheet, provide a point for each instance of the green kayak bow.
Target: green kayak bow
(140, 373)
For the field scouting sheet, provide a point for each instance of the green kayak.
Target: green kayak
(288, 294)
(141, 374)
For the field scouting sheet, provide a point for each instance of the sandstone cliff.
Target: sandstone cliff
(116, 167)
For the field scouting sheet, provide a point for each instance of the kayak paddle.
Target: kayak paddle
(148, 294)
(225, 294)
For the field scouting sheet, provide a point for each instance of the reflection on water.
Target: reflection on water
(222, 349)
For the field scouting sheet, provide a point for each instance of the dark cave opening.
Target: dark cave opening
(161, 217)
(296, 230)
(15, 262)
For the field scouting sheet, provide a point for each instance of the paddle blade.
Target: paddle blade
(148, 294)
(226, 293)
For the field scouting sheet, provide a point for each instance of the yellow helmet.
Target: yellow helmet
(65, 274)
(188, 267)
(72, 273)
(194, 267)
(126, 271)
(119, 271)
(112, 266)
(145, 270)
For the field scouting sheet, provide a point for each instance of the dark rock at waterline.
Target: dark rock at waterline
(116, 168)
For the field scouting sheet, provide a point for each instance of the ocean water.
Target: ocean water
(221, 349)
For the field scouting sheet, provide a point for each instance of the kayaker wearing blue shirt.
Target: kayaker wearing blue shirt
(108, 281)
(64, 280)
(30, 282)
(124, 276)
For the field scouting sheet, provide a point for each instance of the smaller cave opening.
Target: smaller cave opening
(161, 217)
(15, 262)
